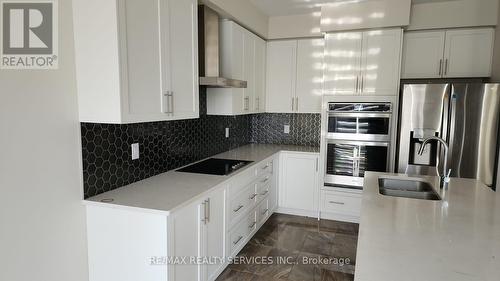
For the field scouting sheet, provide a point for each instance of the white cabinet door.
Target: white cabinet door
(342, 63)
(141, 59)
(187, 227)
(184, 57)
(381, 61)
(249, 71)
(309, 75)
(280, 78)
(214, 231)
(298, 181)
(423, 54)
(260, 75)
(468, 52)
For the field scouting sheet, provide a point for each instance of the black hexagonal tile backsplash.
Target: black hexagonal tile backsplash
(106, 148)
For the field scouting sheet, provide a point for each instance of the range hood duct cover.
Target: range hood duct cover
(208, 39)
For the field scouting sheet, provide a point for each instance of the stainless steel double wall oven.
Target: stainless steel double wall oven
(358, 139)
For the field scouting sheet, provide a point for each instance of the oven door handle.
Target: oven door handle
(359, 114)
(363, 143)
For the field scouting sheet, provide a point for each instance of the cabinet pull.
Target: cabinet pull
(208, 210)
(264, 180)
(238, 240)
(338, 203)
(237, 209)
(293, 103)
(357, 82)
(265, 167)
(253, 196)
(252, 225)
(297, 104)
(204, 219)
(257, 101)
(264, 193)
(317, 164)
(265, 211)
(440, 67)
(362, 84)
(445, 66)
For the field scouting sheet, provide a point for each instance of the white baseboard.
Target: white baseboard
(297, 212)
(339, 217)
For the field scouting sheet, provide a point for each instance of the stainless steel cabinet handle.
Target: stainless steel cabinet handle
(317, 164)
(357, 82)
(257, 101)
(238, 240)
(237, 209)
(361, 88)
(440, 67)
(208, 209)
(171, 103)
(264, 193)
(252, 225)
(204, 219)
(264, 180)
(338, 203)
(445, 66)
(297, 104)
(265, 211)
(253, 196)
(293, 103)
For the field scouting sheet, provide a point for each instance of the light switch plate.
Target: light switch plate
(135, 151)
(287, 129)
(227, 132)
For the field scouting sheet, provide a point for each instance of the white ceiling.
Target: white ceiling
(297, 7)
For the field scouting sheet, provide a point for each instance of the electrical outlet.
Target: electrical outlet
(287, 129)
(135, 151)
(227, 132)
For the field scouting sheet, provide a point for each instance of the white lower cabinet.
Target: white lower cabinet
(298, 183)
(198, 231)
(340, 204)
(123, 243)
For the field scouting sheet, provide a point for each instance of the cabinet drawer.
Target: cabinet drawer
(239, 234)
(262, 211)
(242, 203)
(264, 167)
(343, 203)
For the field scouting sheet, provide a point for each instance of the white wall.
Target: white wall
(42, 220)
(449, 14)
(243, 12)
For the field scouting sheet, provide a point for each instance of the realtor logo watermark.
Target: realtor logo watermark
(29, 35)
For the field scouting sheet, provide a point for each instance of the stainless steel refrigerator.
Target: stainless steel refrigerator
(465, 115)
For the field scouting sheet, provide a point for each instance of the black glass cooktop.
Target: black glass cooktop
(215, 166)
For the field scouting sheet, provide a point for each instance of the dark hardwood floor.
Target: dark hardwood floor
(297, 249)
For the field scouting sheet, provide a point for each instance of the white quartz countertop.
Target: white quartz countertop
(455, 239)
(171, 190)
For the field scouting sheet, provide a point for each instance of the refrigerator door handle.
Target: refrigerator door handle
(451, 138)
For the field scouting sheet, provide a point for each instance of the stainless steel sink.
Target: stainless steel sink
(408, 188)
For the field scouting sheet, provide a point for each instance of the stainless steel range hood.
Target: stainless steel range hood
(208, 44)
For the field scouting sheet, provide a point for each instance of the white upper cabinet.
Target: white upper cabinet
(380, 66)
(241, 58)
(309, 86)
(363, 63)
(454, 53)
(342, 62)
(260, 76)
(468, 52)
(294, 76)
(281, 78)
(127, 75)
(423, 54)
